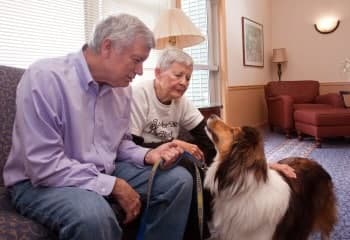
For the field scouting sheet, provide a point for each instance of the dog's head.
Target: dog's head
(240, 151)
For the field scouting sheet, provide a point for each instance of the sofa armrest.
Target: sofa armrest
(333, 99)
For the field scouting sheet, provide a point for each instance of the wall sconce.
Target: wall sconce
(175, 29)
(279, 56)
(327, 25)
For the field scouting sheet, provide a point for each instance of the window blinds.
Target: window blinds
(198, 91)
(34, 29)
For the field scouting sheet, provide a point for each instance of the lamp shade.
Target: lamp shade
(176, 29)
(279, 55)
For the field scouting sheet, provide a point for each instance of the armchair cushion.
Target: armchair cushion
(333, 99)
(311, 106)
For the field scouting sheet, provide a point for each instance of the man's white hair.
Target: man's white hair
(122, 30)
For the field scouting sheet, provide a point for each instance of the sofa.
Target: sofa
(12, 225)
(283, 98)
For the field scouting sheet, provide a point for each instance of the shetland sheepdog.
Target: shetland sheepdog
(253, 202)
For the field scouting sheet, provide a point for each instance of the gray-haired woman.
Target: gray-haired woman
(159, 110)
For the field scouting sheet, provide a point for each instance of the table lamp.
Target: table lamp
(279, 56)
(175, 29)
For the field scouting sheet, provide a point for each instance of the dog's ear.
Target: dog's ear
(248, 145)
(234, 165)
(247, 151)
(255, 153)
(251, 135)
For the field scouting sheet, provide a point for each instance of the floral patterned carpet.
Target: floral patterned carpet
(334, 156)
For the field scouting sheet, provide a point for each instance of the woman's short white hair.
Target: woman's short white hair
(171, 55)
(122, 30)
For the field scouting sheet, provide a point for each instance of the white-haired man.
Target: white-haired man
(72, 151)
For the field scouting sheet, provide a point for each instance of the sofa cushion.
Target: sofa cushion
(5, 203)
(9, 78)
(14, 226)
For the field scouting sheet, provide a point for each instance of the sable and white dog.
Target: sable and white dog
(254, 202)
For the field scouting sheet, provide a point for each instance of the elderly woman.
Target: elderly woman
(159, 110)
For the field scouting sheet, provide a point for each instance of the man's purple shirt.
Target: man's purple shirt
(68, 130)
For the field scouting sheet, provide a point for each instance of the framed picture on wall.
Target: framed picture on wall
(253, 43)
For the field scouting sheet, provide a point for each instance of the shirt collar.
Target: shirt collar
(84, 73)
(85, 76)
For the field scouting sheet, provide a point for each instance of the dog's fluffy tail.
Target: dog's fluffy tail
(313, 192)
(326, 210)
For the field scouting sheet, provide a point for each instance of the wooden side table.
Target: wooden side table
(209, 110)
(206, 111)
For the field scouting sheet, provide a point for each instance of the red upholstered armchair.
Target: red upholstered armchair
(282, 98)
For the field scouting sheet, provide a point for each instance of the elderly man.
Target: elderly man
(72, 152)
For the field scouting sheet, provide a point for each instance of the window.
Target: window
(203, 86)
(34, 29)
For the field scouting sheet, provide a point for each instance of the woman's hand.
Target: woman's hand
(193, 149)
(169, 152)
(284, 168)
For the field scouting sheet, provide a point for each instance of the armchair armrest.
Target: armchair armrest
(280, 101)
(333, 99)
(280, 111)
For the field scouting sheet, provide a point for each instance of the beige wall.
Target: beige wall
(258, 11)
(242, 85)
(334, 87)
(311, 55)
(289, 24)
(246, 106)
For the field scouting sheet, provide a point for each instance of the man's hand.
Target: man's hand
(284, 168)
(169, 152)
(191, 148)
(128, 199)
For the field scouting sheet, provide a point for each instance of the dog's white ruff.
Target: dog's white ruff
(254, 212)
